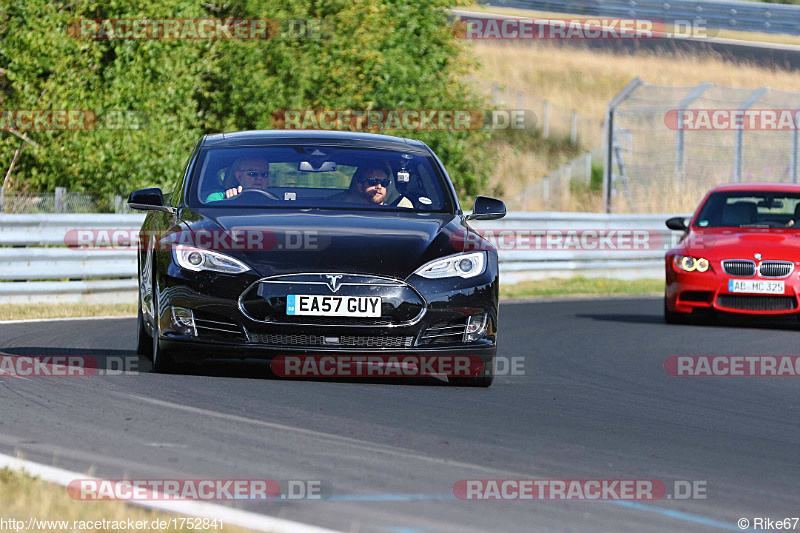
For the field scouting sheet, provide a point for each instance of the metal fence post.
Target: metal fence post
(546, 120)
(608, 149)
(546, 191)
(573, 130)
(739, 134)
(59, 199)
(680, 146)
(793, 159)
(588, 168)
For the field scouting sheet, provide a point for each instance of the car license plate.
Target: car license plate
(756, 286)
(317, 305)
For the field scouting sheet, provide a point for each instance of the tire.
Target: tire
(144, 342)
(163, 362)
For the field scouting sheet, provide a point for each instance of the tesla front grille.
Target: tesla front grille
(775, 269)
(354, 341)
(757, 303)
(739, 267)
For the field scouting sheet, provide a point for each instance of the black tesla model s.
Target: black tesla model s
(316, 244)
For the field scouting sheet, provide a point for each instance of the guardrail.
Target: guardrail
(36, 266)
(526, 254)
(728, 15)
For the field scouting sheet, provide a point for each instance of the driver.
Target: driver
(249, 173)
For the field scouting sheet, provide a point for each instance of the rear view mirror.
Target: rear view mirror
(677, 224)
(770, 203)
(325, 166)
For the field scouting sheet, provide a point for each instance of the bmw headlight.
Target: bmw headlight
(462, 265)
(690, 264)
(198, 259)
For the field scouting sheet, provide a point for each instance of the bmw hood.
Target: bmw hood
(385, 243)
(729, 244)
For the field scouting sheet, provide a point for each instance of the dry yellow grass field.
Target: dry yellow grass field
(587, 80)
(577, 78)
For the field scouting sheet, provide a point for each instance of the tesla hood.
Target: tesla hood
(385, 243)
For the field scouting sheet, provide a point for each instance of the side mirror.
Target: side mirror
(487, 209)
(150, 199)
(678, 224)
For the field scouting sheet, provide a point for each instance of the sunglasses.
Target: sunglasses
(253, 173)
(371, 182)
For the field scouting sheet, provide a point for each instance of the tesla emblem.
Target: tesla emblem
(757, 256)
(333, 282)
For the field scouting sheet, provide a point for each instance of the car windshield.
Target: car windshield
(311, 176)
(750, 209)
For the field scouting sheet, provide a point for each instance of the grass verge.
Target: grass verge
(23, 497)
(65, 310)
(556, 287)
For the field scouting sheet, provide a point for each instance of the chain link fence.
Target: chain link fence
(667, 146)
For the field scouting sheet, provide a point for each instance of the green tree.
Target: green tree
(363, 55)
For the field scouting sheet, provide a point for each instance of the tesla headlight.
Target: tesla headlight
(198, 259)
(690, 264)
(462, 265)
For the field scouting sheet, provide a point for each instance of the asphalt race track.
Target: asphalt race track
(595, 402)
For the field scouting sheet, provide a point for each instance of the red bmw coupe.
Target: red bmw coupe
(740, 254)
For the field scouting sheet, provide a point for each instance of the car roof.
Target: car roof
(260, 137)
(756, 186)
